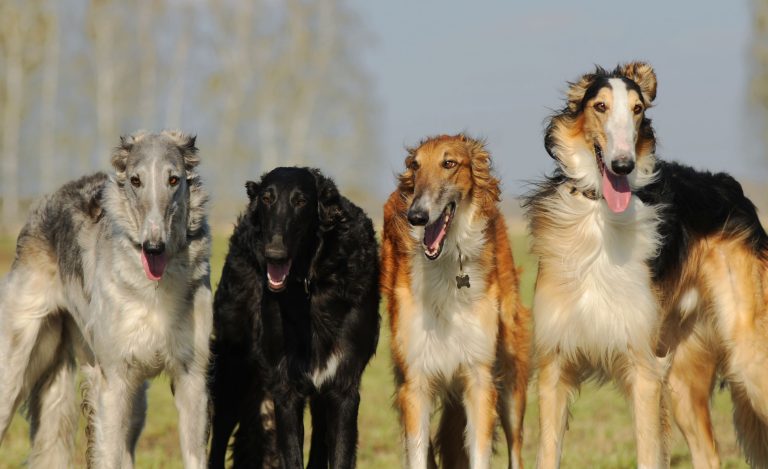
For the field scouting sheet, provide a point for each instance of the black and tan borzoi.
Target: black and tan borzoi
(112, 269)
(650, 273)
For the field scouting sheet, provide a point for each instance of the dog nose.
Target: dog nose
(275, 248)
(417, 216)
(275, 253)
(623, 165)
(154, 248)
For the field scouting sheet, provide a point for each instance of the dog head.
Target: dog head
(603, 136)
(442, 174)
(154, 173)
(290, 208)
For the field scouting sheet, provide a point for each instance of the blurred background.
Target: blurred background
(346, 86)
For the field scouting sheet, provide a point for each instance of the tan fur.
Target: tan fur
(710, 315)
(477, 388)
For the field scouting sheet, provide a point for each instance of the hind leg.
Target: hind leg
(138, 416)
(53, 414)
(450, 435)
(27, 339)
(690, 385)
(738, 285)
(514, 384)
(748, 381)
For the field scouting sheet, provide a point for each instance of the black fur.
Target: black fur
(693, 204)
(696, 204)
(267, 344)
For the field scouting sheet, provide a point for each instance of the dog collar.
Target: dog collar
(591, 194)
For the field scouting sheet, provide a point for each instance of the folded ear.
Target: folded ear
(329, 209)
(642, 74)
(252, 189)
(120, 156)
(578, 89)
(186, 145)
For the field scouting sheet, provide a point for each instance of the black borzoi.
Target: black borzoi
(296, 318)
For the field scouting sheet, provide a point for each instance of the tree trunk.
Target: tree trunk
(48, 98)
(102, 27)
(14, 93)
(175, 103)
(147, 65)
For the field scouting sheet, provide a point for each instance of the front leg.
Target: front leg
(110, 395)
(289, 413)
(556, 387)
(191, 399)
(342, 409)
(415, 402)
(646, 386)
(189, 374)
(480, 397)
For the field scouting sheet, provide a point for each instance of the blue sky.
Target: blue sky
(497, 68)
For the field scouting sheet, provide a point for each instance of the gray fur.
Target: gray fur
(77, 288)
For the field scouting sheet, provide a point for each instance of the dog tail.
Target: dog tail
(751, 429)
(449, 441)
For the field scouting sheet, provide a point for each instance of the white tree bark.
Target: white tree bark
(240, 73)
(14, 26)
(48, 97)
(317, 52)
(147, 64)
(178, 82)
(102, 28)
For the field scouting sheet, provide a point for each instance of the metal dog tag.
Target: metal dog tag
(462, 281)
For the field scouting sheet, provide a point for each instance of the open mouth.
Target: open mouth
(154, 264)
(277, 275)
(616, 190)
(435, 233)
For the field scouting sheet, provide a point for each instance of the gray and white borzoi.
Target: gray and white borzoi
(114, 271)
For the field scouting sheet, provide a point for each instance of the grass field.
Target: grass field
(600, 433)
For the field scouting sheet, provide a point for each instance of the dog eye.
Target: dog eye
(638, 109)
(173, 180)
(413, 165)
(448, 164)
(300, 202)
(266, 199)
(599, 107)
(135, 181)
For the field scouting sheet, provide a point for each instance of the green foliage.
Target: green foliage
(600, 433)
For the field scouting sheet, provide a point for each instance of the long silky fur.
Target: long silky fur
(693, 244)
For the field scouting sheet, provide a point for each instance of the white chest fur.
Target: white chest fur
(595, 295)
(446, 332)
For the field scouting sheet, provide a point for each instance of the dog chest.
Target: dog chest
(594, 295)
(447, 327)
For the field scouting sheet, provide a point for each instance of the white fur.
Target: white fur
(125, 327)
(688, 302)
(446, 334)
(620, 126)
(321, 375)
(596, 261)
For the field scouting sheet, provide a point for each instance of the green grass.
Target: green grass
(600, 433)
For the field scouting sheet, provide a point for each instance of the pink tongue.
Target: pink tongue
(616, 191)
(434, 233)
(277, 273)
(154, 265)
